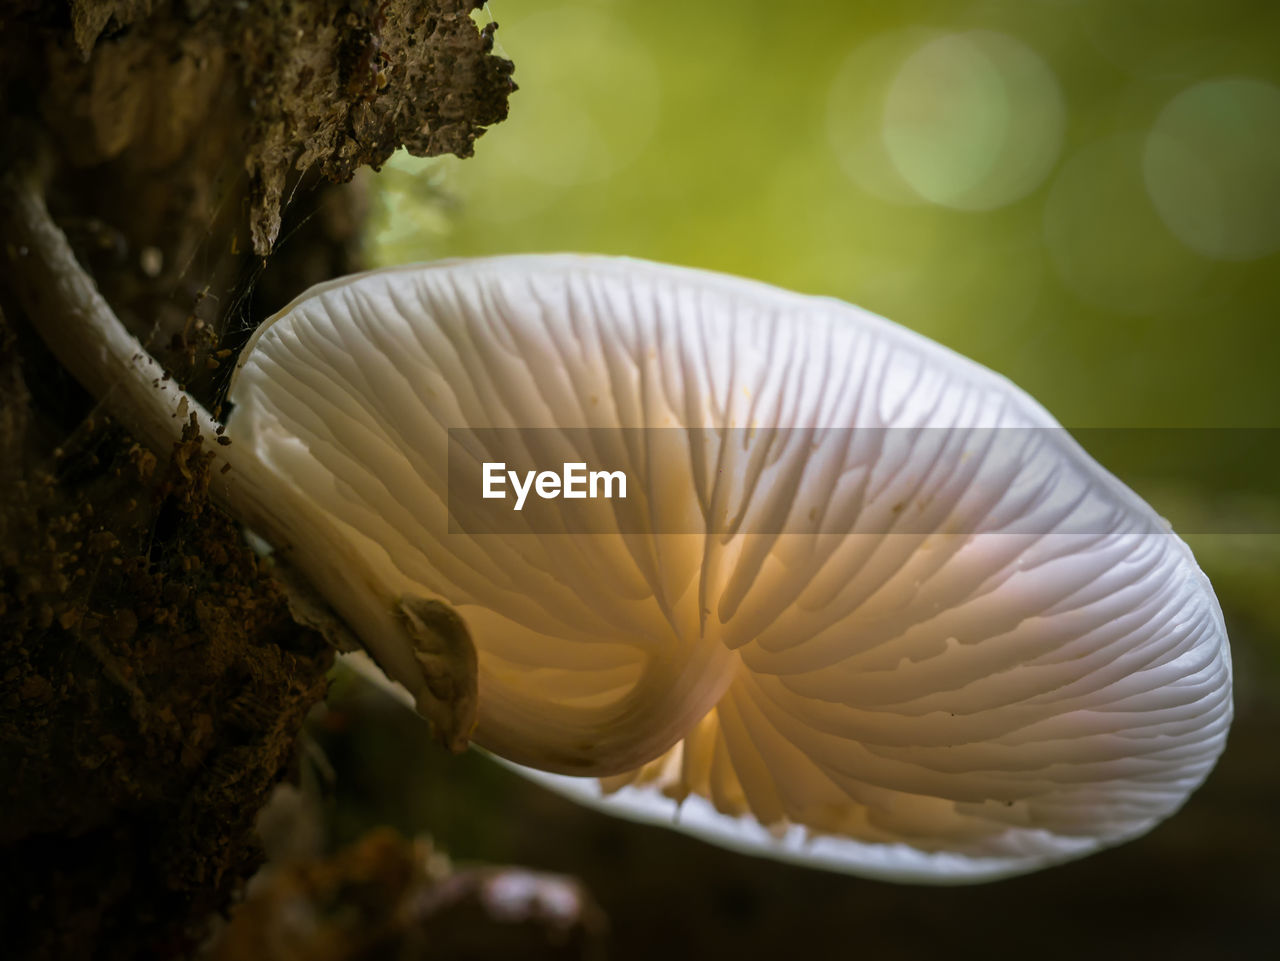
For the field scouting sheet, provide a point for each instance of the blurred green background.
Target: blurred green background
(1081, 194)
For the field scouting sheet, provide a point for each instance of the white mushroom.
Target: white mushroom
(914, 633)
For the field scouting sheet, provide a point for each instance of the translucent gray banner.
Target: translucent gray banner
(920, 481)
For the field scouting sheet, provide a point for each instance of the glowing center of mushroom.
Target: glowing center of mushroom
(600, 712)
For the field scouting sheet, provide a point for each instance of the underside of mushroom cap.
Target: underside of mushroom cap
(903, 625)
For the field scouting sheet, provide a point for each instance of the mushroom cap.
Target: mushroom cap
(867, 605)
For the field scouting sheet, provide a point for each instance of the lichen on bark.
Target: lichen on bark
(362, 78)
(322, 87)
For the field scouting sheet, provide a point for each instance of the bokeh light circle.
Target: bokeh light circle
(973, 120)
(1211, 164)
(855, 110)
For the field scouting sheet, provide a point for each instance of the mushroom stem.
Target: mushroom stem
(83, 333)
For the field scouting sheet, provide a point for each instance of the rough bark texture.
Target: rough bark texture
(152, 683)
(151, 690)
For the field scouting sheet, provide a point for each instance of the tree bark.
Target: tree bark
(152, 681)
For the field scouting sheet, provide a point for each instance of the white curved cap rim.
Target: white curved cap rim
(1043, 674)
